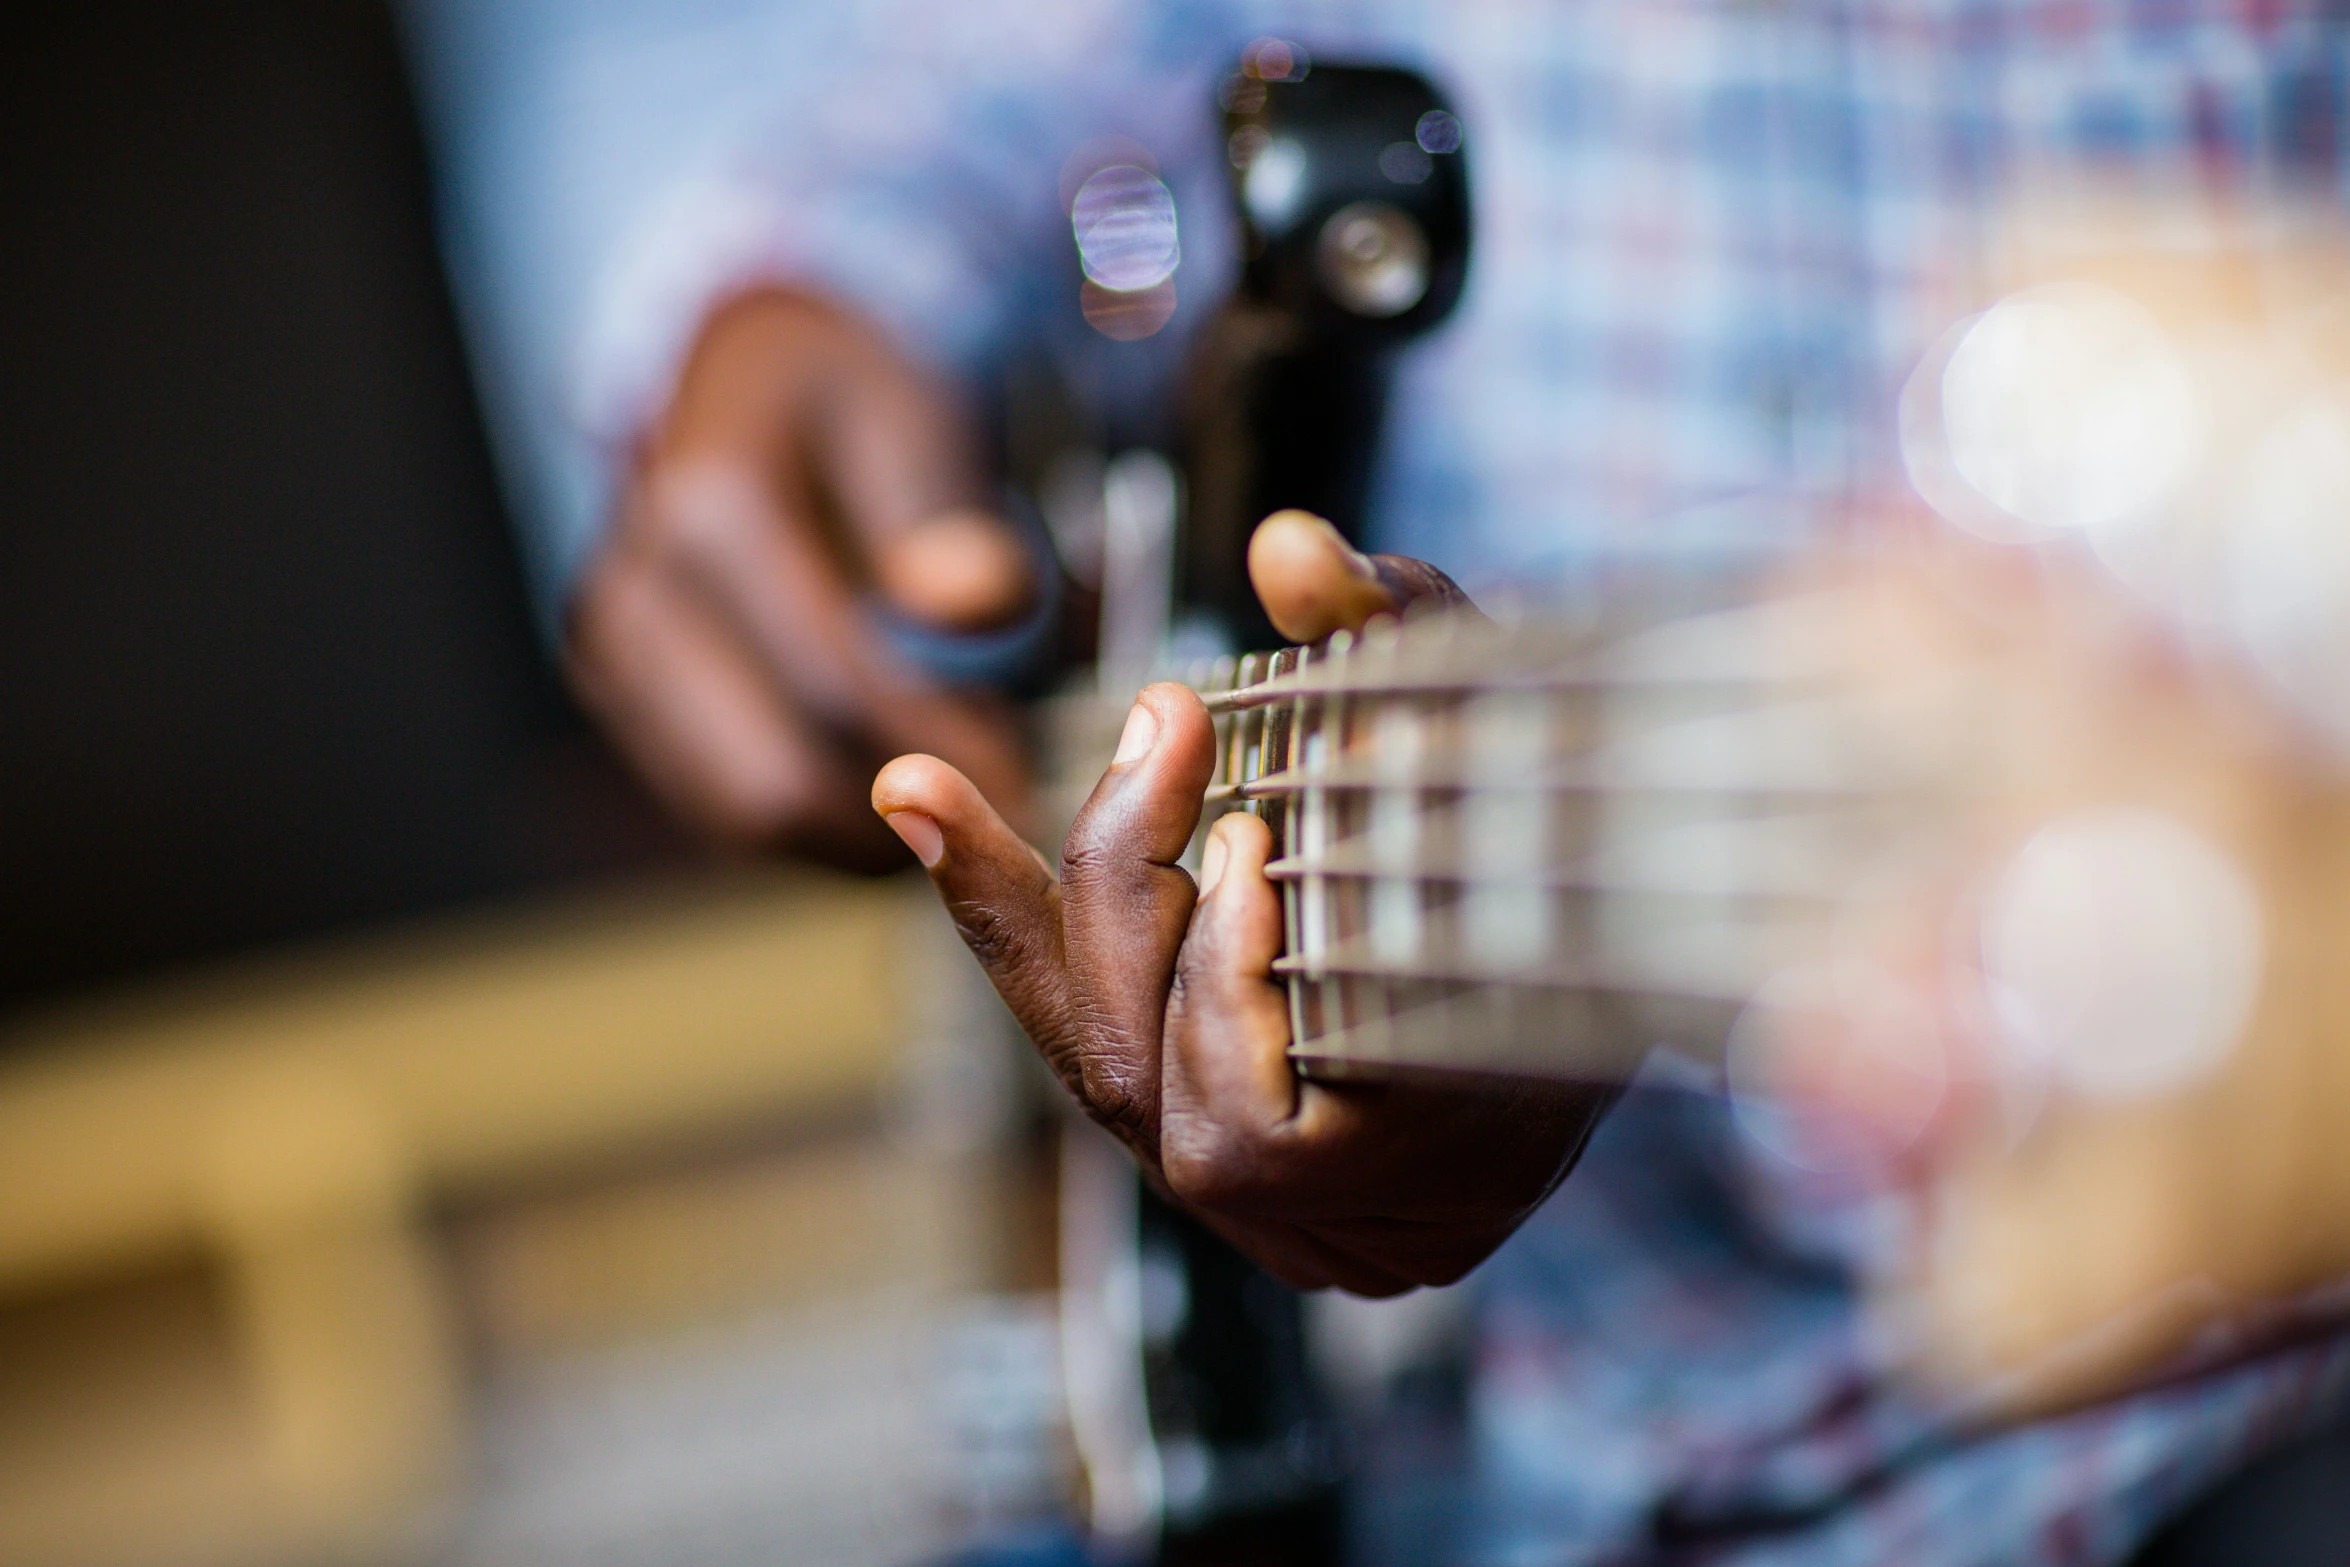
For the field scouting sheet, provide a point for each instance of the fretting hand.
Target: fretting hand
(1156, 1004)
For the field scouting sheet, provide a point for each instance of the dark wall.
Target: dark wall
(265, 665)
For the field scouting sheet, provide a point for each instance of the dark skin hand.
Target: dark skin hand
(1155, 1002)
(801, 466)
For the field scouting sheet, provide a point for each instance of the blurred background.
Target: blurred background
(420, 1145)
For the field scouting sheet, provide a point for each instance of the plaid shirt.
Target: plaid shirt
(1713, 237)
(1671, 1369)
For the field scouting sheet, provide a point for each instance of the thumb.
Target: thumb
(1312, 582)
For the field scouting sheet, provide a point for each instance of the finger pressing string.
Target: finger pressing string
(1229, 1080)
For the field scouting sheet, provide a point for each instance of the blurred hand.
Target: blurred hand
(1155, 1001)
(801, 465)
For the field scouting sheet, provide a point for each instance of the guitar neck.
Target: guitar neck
(1541, 848)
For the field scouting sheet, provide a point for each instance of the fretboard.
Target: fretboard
(1543, 848)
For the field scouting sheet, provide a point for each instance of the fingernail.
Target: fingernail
(921, 835)
(1142, 727)
(1211, 863)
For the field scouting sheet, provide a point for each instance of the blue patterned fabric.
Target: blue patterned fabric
(1714, 236)
(1670, 1372)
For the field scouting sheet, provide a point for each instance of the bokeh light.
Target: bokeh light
(2068, 408)
(2287, 558)
(2122, 953)
(1835, 1067)
(1274, 60)
(1373, 257)
(1405, 163)
(1124, 218)
(1437, 131)
(1275, 181)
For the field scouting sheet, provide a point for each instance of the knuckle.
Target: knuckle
(1087, 857)
(756, 802)
(693, 510)
(1207, 1168)
(1182, 997)
(997, 941)
(1112, 1095)
(613, 601)
(1062, 1054)
(1202, 982)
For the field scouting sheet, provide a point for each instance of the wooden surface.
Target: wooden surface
(275, 1136)
(483, 1052)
